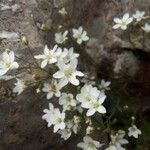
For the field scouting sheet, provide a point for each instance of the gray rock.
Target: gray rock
(12, 36)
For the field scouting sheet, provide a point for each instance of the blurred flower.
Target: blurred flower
(70, 55)
(146, 27)
(54, 117)
(7, 62)
(19, 86)
(62, 12)
(65, 133)
(104, 85)
(139, 15)
(61, 37)
(123, 22)
(80, 35)
(117, 141)
(134, 131)
(89, 144)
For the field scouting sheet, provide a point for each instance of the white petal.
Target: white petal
(63, 82)
(125, 17)
(79, 41)
(85, 38)
(46, 50)
(90, 112)
(55, 48)
(101, 109)
(129, 20)
(101, 99)
(123, 27)
(56, 127)
(81, 145)
(116, 26)
(3, 71)
(53, 60)
(58, 74)
(49, 95)
(58, 94)
(11, 56)
(44, 63)
(78, 73)
(39, 56)
(14, 65)
(74, 81)
(117, 20)
(5, 57)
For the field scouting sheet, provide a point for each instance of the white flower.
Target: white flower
(146, 27)
(134, 131)
(7, 62)
(49, 113)
(139, 15)
(61, 37)
(67, 101)
(38, 90)
(117, 141)
(67, 73)
(80, 35)
(104, 85)
(19, 86)
(54, 117)
(91, 98)
(87, 93)
(65, 133)
(49, 56)
(62, 12)
(52, 89)
(70, 55)
(123, 22)
(89, 144)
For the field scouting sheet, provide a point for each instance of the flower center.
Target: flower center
(95, 104)
(68, 72)
(68, 98)
(7, 65)
(59, 120)
(91, 145)
(48, 57)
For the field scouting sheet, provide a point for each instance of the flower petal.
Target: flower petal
(90, 112)
(101, 109)
(58, 74)
(44, 63)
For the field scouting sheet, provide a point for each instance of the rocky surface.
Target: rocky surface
(109, 55)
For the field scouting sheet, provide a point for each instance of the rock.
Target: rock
(12, 36)
(96, 50)
(60, 3)
(5, 7)
(15, 7)
(126, 64)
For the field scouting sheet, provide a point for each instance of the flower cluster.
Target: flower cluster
(78, 103)
(127, 19)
